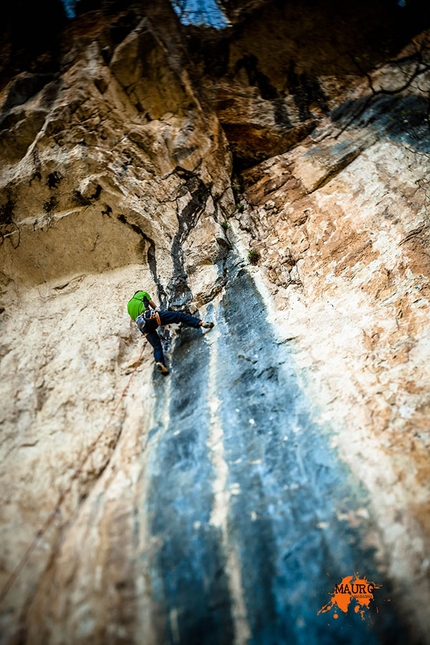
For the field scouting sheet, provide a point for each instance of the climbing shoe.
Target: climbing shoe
(207, 325)
(162, 369)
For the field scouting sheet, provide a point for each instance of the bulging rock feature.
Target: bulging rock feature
(270, 177)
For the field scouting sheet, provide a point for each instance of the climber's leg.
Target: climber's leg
(154, 339)
(171, 317)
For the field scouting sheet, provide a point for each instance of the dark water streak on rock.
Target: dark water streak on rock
(283, 519)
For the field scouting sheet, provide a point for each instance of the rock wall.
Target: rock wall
(282, 194)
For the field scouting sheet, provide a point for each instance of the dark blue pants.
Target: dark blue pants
(167, 318)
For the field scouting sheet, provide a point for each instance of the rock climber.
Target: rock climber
(148, 317)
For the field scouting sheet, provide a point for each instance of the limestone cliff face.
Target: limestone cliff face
(281, 191)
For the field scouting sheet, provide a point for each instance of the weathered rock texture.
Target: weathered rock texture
(273, 178)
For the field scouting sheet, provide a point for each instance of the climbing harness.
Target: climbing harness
(41, 532)
(149, 314)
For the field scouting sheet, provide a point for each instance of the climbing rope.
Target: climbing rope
(41, 532)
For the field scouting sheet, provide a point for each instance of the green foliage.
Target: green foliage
(253, 256)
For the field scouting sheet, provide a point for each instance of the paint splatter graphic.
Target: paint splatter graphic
(352, 593)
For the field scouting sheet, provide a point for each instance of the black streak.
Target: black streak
(179, 292)
(150, 255)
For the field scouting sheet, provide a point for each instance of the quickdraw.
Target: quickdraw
(154, 314)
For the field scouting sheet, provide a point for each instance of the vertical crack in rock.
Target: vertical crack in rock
(179, 292)
(150, 256)
(255, 517)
